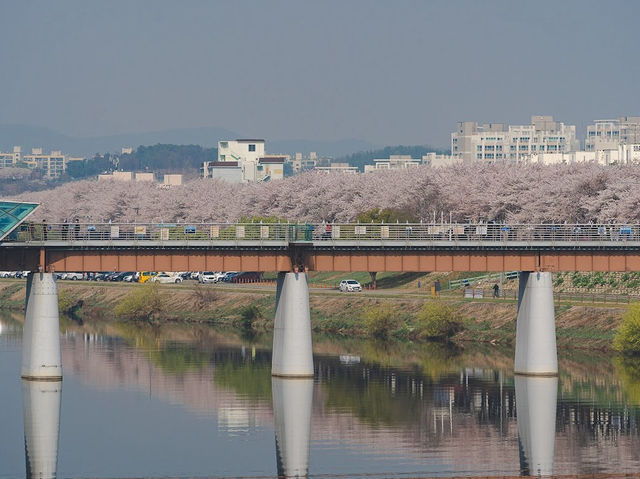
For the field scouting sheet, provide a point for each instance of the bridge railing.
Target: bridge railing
(308, 232)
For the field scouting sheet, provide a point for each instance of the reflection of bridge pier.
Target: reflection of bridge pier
(41, 336)
(536, 410)
(41, 408)
(292, 400)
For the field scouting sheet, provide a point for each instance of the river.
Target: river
(190, 401)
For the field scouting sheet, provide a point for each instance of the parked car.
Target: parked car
(129, 277)
(229, 275)
(73, 276)
(208, 277)
(349, 285)
(166, 278)
(146, 276)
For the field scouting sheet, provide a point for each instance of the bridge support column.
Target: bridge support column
(536, 352)
(41, 337)
(292, 353)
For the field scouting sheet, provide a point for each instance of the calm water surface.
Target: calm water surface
(189, 401)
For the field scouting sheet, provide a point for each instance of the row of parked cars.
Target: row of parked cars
(162, 277)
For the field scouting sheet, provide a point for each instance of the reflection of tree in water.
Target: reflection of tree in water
(178, 358)
(628, 369)
(250, 378)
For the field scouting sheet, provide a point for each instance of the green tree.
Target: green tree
(381, 320)
(627, 338)
(437, 321)
(145, 302)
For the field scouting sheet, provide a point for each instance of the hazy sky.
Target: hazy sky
(389, 72)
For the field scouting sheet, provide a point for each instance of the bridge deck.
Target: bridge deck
(322, 247)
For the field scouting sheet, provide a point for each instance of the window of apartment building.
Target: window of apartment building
(222, 157)
(498, 147)
(479, 148)
(512, 148)
(523, 147)
(252, 147)
(479, 156)
(488, 148)
(488, 156)
(498, 156)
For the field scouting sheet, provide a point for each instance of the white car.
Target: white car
(208, 277)
(166, 278)
(73, 276)
(349, 285)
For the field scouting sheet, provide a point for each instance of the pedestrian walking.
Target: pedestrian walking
(496, 291)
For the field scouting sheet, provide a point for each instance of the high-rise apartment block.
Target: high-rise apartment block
(492, 142)
(609, 134)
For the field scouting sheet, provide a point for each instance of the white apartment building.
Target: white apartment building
(491, 142)
(244, 161)
(623, 154)
(53, 165)
(301, 163)
(435, 160)
(337, 167)
(394, 162)
(246, 152)
(608, 134)
(8, 160)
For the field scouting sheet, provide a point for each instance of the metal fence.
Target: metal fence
(307, 232)
(583, 298)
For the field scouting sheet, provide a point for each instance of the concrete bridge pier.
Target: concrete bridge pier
(292, 353)
(41, 336)
(536, 352)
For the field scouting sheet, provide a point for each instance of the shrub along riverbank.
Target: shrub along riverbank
(388, 314)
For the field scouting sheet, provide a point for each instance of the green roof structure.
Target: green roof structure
(12, 213)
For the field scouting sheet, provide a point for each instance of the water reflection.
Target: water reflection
(292, 400)
(536, 410)
(41, 408)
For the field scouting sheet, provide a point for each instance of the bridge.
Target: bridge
(293, 249)
(438, 247)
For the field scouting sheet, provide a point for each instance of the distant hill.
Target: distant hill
(324, 148)
(366, 157)
(34, 137)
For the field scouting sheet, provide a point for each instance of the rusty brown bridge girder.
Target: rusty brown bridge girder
(230, 259)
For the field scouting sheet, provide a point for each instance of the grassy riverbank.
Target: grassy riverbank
(488, 320)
